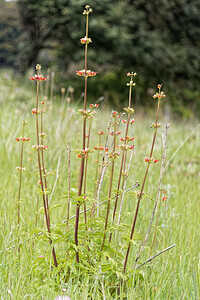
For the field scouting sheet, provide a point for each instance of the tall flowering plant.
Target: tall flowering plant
(39, 147)
(159, 95)
(85, 73)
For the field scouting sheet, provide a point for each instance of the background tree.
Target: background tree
(158, 39)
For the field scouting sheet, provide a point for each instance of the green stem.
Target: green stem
(141, 192)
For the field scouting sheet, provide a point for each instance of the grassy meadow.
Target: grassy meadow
(29, 273)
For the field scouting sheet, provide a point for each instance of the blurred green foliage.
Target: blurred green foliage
(157, 39)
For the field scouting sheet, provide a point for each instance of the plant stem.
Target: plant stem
(20, 184)
(68, 193)
(157, 199)
(81, 174)
(110, 187)
(141, 192)
(123, 160)
(41, 177)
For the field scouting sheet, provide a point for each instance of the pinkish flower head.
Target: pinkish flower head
(164, 198)
(92, 73)
(17, 139)
(155, 161)
(79, 73)
(100, 132)
(85, 40)
(146, 159)
(159, 86)
(124, 121)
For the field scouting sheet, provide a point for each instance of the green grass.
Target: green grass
(172, 275)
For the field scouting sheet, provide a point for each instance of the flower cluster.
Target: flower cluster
(114, 154)
(35, 111)
(116, 133)
(151, 160)
(85, 40)
(153, 125)
(131, 74)
(160, 94)
(20, 169)
(125, 147)
(87, 10)
(88, 114)
(37, 78)
(100, 148)
(131, 121)
(86, 74)
(99, 132)
(129, 110)
(22, 139)
(128, 138)
(94, 105)
(39, 147)
(82, 153)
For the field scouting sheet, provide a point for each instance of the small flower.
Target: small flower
(132, 121)
(92, 73)
(159, 86)
(17, 139)
(114, 114)
(155, 161)
(79, 73)
(44, 147)
(124, 121)
(164, 198)
(146, 159)
(100, 132)
(106, 149)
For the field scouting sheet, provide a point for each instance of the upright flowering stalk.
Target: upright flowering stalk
(85, 74)
(125, 147)
(39, 148)
(112, 156)
(21, 139)
(87, 136)
(149, 160)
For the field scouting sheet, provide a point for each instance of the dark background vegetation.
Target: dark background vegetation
(158, 39)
